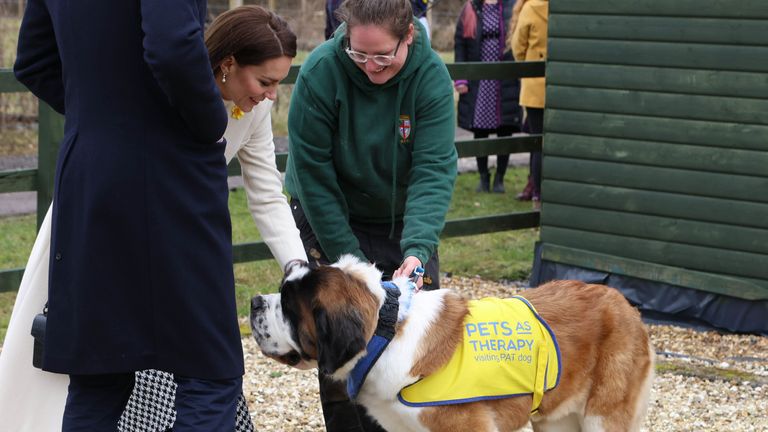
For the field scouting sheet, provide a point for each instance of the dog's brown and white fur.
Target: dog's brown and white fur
(325, 317)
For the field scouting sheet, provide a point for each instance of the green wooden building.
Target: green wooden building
(655, 177)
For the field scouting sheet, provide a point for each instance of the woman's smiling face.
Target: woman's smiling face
(247, 85)
(373, 40)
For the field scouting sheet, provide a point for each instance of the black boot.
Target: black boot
(485, 177)
(501, 169)
(485, 182)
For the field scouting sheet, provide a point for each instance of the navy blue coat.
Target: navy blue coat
(141, 253)
(469, 50)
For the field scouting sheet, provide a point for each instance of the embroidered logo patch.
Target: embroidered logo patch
(405, 128)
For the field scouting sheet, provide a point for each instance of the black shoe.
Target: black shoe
(527, 193)
(498, 183)
(485, 183)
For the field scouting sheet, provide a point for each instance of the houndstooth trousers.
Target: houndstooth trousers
(151, 406)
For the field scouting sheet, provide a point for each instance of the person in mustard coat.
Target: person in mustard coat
(528, 42)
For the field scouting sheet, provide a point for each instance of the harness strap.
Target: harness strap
(385, 331)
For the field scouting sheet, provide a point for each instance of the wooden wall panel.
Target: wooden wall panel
(751, 9)
(669, 80)
(668, 229)
(659, 154)
(662, 54)
(658, 179)
(747, 288)
(662, 29)
(668, 105)
(695, 132)
(705, 209)
(656, 141)
(715, 260)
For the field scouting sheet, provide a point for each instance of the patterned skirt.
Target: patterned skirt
(151, 406)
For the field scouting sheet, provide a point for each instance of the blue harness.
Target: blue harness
(385, 331)
(389, 315)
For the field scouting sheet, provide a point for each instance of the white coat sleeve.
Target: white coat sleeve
(264, 190)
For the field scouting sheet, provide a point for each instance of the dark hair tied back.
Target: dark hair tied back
(251, 34)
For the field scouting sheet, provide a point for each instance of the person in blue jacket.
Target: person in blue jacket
(331, 20)
(141, 256)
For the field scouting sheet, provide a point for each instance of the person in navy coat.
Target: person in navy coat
(141, 257)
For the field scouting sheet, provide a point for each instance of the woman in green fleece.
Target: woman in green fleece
(372, 160)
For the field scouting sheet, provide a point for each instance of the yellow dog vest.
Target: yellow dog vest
(508, 350)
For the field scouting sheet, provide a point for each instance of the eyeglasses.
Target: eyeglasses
(379, 59)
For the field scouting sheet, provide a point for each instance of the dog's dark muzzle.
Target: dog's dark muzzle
(258, 309)
(258, 305)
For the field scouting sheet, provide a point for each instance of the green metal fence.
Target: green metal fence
(51, 130)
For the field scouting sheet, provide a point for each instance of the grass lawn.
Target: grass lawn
(17, 234)
(497, 256)
(504, 255)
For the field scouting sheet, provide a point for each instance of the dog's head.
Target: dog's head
(322, 317)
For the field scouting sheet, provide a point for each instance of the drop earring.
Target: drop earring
(224, 78)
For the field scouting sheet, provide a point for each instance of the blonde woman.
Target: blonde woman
(528, 41)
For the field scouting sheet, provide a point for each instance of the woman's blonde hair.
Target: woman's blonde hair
(515, 18)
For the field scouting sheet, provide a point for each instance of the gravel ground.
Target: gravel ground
(705, 381)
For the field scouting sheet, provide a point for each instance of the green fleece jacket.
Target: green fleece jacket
(372, 153)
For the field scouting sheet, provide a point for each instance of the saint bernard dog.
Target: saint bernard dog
(383, 340)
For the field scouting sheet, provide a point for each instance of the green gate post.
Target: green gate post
(50, 133)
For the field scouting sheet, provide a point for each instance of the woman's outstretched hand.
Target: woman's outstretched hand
(406, 269)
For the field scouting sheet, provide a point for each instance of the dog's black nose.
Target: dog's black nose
(258, 304)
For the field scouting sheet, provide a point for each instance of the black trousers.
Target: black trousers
(341, 414)
(501, 159)
(96, 402)
(375, 244)
(536, 126)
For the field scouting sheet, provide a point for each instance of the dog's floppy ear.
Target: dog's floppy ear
(340, 337)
